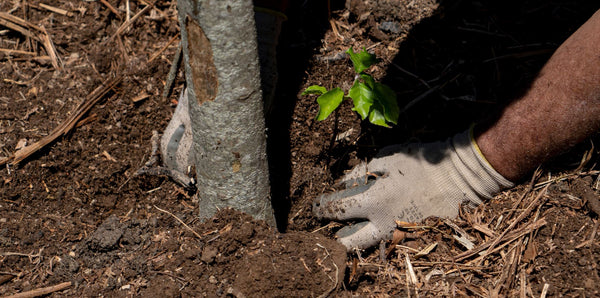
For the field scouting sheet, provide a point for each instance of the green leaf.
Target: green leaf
(361, 60)
(362, 98)
(328, 102)
(314, 89)
(368, 80)
(386, 97)
(365, 94)
(376, 116)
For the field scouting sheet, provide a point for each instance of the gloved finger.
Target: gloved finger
(362, 235)
(357, 176)
(343, 205)
(362, 174)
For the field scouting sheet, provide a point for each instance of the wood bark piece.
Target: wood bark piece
(204, 72)
(225, 100)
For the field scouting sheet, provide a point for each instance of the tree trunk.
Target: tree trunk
(225, 103)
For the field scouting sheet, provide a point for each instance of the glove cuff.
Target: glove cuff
(474, 168)
(464, 175)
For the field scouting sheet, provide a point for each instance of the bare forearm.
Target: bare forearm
(561, 108)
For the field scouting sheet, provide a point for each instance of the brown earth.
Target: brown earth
(74, 212)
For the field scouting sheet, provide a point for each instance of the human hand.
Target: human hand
(409, 183)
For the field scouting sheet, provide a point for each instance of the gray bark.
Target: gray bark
(225, 104)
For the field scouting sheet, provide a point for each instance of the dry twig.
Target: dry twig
(490, 245)
(42, 291)
(507, 238)
(110, 7)
(4, 278)
(56, 10)
(38, 34)
(337, 271)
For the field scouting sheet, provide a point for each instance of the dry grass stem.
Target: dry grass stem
(17, 52)
(40, 35)
(20, 22)
(180, 221)
(128, 23)
(16, 27)
(171, 41)
(522, 216)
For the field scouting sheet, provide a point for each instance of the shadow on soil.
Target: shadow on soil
(300, 37)
(470, 59)
(460, 66)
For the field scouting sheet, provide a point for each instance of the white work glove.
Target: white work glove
(176, 142)
(410, 183)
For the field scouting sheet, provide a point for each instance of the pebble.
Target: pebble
(212, 279)
(208, 254)
(389, 27)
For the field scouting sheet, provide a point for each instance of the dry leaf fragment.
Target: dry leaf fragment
(530, 252)
(426, 250)
(226, 228)
(405, 224)
(22, 143)
(434, 272)
(140, 97)
(468, 244)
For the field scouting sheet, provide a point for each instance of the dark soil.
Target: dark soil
(75, 212)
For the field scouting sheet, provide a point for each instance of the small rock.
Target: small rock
(153, 222)
(212, 279)
(68, 264)
(392, 27)
(208, 254)
(191, 254)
